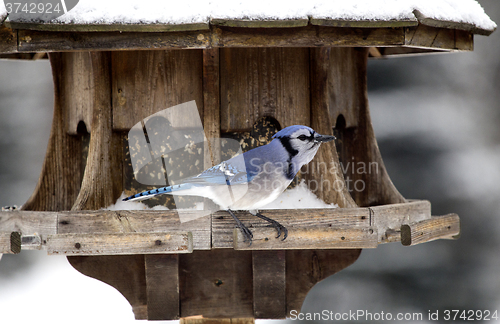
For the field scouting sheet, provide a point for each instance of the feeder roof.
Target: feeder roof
(199, 14)
(390, 27)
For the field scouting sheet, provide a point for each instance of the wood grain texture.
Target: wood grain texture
(28, 222)
(162, 278)
(123, 221)
(211, 106)
(389, 218)
(119, 243)
(147, 28)
(308, 36)
(259, 23)
(424, 36)
(269, 285)
(40, 41)
(305, 268)
(324, 171)
(223, 224)
(309, 238)
(10, 243)
(216, 283)
(97, 188)
(78, 91)
(462, 26)
(432, 229)
(222, 36)
(60, 178)
(8, 39)
(366, 177)
(145, 82)
(258, 82)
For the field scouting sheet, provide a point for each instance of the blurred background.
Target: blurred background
(436, 118)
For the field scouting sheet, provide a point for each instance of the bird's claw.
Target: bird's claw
(279, 228)
(247, 234)
(272, 223)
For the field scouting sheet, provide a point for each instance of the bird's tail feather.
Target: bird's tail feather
(159, 191)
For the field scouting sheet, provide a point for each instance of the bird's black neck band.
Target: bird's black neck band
(285, 141)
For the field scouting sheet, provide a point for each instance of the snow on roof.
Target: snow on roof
(467, 12)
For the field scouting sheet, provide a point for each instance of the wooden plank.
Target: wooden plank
(305, 268)
(259, 23)
(257, 82)
(120, 243)
(423, 36)
(309, 238)
(223, 224)
(363, 23)
(389, 218)
(216, 283)
(144, 28)
(28, 222)
(324, 172)
(437, 227)
(366, 177)
(145, 82)
(217, 36)
(123, 221)
(211, 105)
(425, 20)
(97, 188)
(40, 41)
(79, 90)
(8, 39)
(307, 36)
(269, 295)
(162, 278)
(10, 243)
(60, 178)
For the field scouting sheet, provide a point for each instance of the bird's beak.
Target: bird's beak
(324, 138)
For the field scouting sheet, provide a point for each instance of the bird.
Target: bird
(252, 179)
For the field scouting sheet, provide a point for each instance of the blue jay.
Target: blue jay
(253, 179)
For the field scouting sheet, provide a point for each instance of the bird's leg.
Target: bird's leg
(274, 224)
(246, 232)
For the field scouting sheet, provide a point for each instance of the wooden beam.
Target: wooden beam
(223, 36)
(10, 243)
(120, 243)
(259, 23)
(126, 221)
(223, 224)
(143, 28)
(60, 178)
(269, 295)
(437, 227)
(311, 238)
(162, 278)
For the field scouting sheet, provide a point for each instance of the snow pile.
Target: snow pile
(299, 197)
(200, 11)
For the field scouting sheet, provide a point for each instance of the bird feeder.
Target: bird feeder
(248, 75)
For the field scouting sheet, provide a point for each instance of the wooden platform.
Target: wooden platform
(105, 232)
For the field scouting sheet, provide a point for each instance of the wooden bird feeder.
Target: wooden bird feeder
(245, 75)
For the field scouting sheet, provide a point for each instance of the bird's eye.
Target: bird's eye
(302, 137)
